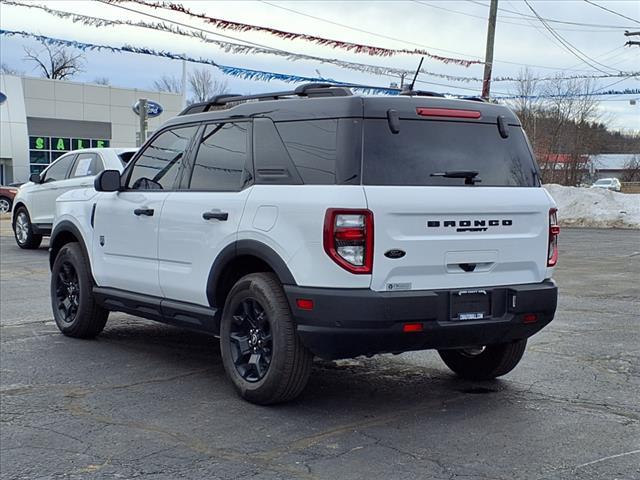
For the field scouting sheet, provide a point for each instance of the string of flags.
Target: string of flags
(236, 48)
(249, 74)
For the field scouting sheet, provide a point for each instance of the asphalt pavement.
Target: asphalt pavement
(152, 401)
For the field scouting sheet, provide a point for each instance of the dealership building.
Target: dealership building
(41, 119)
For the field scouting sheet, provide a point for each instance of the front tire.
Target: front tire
(484, 363)
(23, 230)
(261, 351)
(74, 307)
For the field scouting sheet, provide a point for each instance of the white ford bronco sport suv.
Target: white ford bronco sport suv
(317, 222)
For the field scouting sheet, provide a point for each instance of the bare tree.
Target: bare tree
(204, 85)
(55, 62)
(168, 83)
(101, 81)
(631, 171)
(7, 70)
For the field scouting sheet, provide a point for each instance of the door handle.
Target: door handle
(144, 211)
(217, 215)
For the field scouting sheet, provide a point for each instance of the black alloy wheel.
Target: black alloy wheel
(250, 340)
(67, 288)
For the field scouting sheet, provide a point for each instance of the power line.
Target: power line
(568, 46)
(611, 11)
(412, 43)
(551, 20)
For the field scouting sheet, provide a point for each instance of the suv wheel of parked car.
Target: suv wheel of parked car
(484, 363)
(23, 230)
(74, 308)
(5, 205)
(261, 352)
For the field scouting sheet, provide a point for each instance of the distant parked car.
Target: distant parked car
(608, 183)
(6, 198)
(35, 203)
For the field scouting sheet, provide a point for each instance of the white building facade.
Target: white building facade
(41, 119)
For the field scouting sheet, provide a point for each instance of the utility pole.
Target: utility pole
(142, 115)
(488, 56)
(184, 83)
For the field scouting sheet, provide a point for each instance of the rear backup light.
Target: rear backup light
(412, 327)
(447, 112)
(348, 239)
(554, 231)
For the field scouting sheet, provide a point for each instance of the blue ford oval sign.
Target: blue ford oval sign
(3, 97)
(154, 109)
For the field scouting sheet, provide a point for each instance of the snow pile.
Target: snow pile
(595, 207)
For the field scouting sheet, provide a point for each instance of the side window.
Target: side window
(221, 158)
(58, 170)
(312, 146)
(160, 163)
(87, 164)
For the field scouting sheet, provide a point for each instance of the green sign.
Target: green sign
(39, 143)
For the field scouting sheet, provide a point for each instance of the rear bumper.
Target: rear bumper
(346, 323)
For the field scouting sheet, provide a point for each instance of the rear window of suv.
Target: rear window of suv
(424, 147)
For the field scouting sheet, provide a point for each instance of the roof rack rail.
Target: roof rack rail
(420, 93)
(474, 99)
(304, 90)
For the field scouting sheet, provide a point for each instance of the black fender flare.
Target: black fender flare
(241, 248)
(65, 226)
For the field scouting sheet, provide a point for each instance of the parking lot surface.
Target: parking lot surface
(148, 400)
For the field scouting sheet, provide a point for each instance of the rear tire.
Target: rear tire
(261, 351)
(5, 204)
(74, 307)
(23, 230)
(491, 362)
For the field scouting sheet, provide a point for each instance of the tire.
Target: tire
(491, 362)
(74, 307)
(275, 370)
(23, 230)
(5, 204)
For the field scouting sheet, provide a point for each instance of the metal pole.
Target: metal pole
(488, 57)
(142, 114)
(184, 83)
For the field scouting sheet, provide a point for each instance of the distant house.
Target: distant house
(592, 167)
(609, 165)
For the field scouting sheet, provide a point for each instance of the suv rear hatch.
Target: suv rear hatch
(459, 195)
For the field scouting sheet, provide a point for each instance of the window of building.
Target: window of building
(44, 150)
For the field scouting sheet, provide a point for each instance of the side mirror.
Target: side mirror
(35, 178)
(107, 181)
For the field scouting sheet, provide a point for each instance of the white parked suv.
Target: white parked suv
(608, 183)
(317, 222)
(34, 206)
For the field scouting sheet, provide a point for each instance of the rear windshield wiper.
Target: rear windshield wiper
(468, 175)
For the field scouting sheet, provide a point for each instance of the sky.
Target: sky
(449, 28)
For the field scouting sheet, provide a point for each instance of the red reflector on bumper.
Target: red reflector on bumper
(529, 318)
(412, 327)
(304, 304)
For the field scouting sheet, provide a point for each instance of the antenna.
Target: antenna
(416, 75)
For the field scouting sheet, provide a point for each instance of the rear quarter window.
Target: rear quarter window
(425, 147)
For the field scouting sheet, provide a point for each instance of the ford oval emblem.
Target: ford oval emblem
(395, 253)
(154, 109)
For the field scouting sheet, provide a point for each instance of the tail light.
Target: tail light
(554, 231)
(348, 239)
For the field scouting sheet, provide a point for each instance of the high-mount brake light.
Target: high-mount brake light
(348, 239)
(554, 231)
(447, 112)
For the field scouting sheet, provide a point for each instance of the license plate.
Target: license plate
(470, 305)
